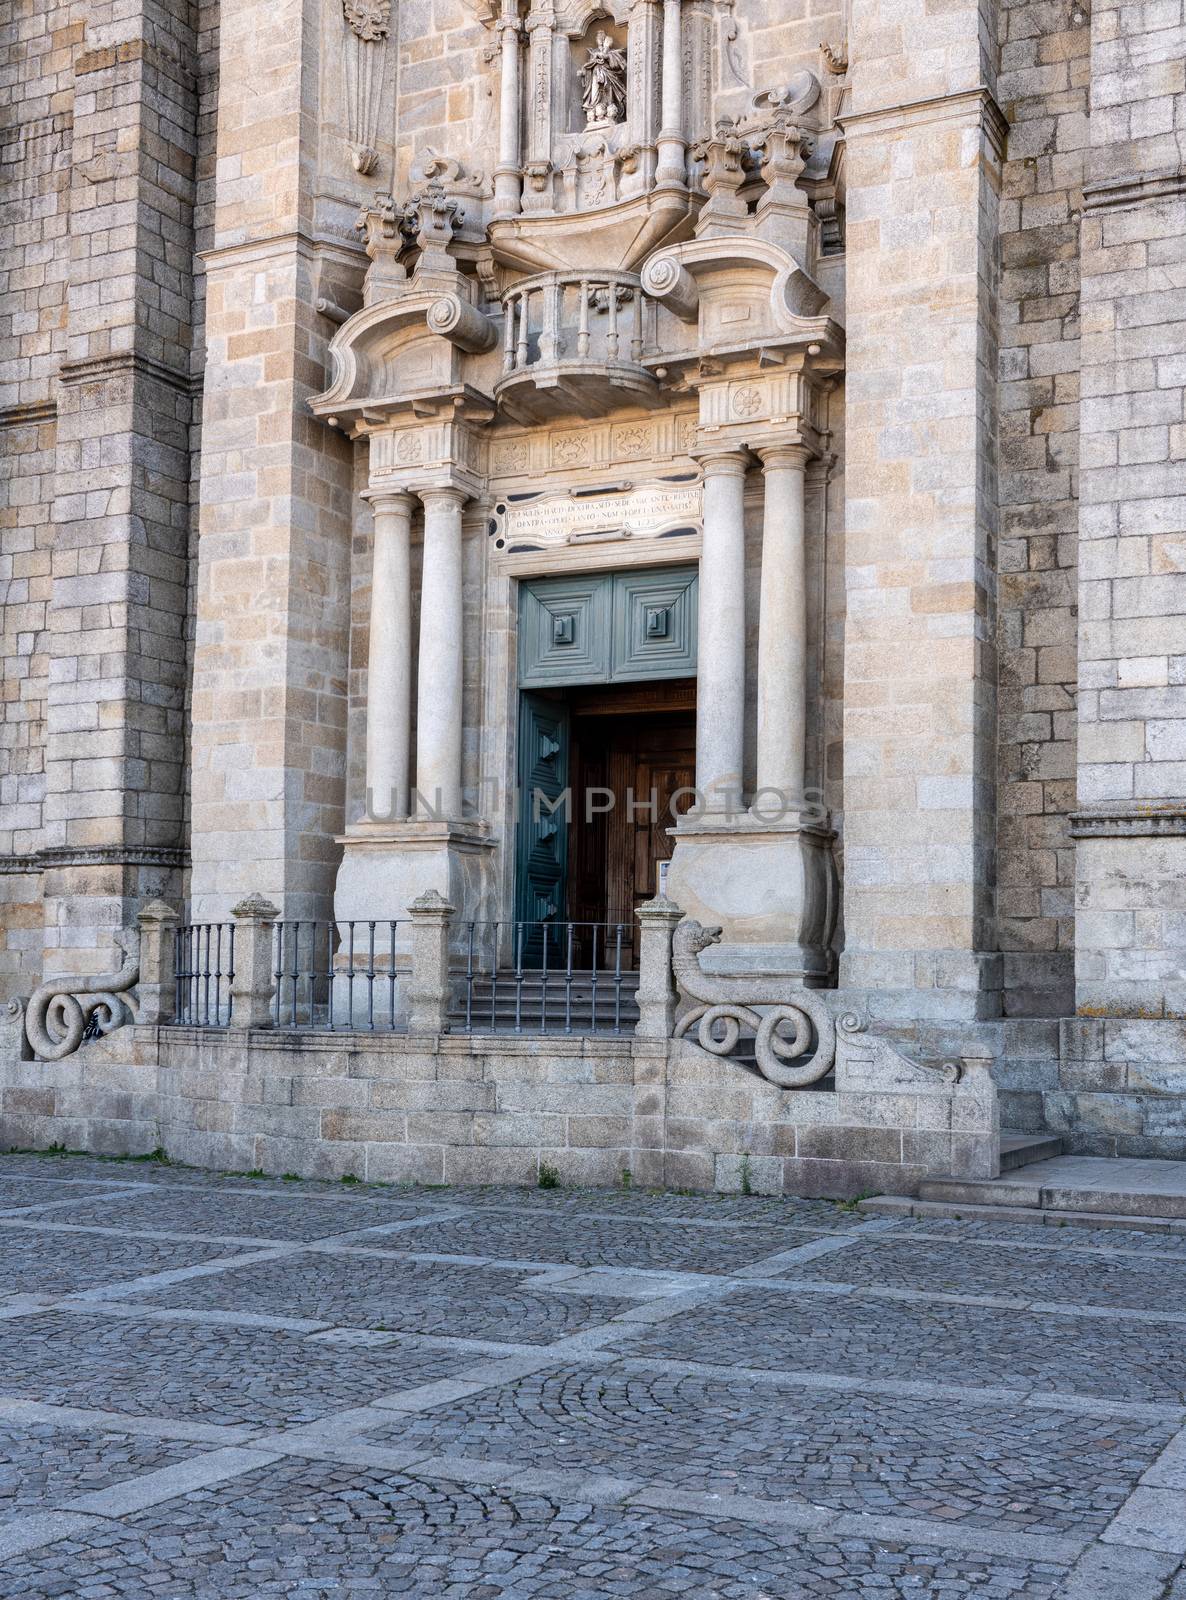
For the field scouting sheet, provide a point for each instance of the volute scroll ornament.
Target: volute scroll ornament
(765, 1005)
(60, 1013)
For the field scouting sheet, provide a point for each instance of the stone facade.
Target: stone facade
(327, 331)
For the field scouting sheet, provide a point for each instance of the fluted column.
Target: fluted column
(672, 166)
(438, 698)
(782, 631)
(720, 685)
(508, 179)
(389, 664)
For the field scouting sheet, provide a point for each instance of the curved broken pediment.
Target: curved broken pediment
(740, 291)
(387, 355)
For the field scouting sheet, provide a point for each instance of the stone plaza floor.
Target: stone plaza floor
(219, 1385)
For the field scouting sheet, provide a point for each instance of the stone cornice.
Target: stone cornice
(32, 411)
(1152, 821)
(121, 363)
(135, 855)
(940, 108)
(269, 246)
(1143, 188)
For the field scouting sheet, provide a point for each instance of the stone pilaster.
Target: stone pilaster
(1131, 825)
(270, 669)
(114, 758)
(924, 139)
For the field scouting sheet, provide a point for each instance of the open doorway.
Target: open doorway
(605, 770)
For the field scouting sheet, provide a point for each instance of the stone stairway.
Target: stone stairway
(1039, 1184)
(526, 1002)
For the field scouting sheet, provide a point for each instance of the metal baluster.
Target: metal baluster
(583, 321)
(469, 977)
(618, 979)
(391, 976)
(279, 965)
(230, 974)
(510, 307)
(296, 971)
(636, 337)
(206, 979)
(217, 973)
(518, 954)
(543, 982)
(371, 977)
(593, 983)
(330, 1020)
(494, 979)
(611, 337)
(568, 979)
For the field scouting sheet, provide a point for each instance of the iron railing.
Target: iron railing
(337, 976)
(203, 966)
(547, 977)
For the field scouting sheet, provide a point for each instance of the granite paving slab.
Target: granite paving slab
(931, 1341)
(373, 1291)
(593, 1241)
(317, 1529)
(20, 1193)
(736, 1208)
(266, 1215)
(981, 1267)
(35, 1261)
(203, 1372)
(43, 1465)
(976, 1465)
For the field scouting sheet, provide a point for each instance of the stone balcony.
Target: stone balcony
(574, 344)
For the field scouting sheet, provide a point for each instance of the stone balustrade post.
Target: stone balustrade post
(976, 1120)
(254, 982)
(657, 994)
(428, 989)
(157, 984)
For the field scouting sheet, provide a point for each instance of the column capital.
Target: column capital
(389, 499)
(794, 457)
(723, 459)
(442, 494)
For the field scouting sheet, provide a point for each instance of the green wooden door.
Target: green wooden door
(541, 889)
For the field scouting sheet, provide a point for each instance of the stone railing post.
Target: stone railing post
(428, 988)
(657, 996)
(254, 982)
(158, 964)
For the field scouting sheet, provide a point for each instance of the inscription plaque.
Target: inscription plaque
(645, 511)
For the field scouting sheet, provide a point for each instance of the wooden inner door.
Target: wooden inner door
(633, 749)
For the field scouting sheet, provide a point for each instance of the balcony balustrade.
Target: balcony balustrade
(574, 344)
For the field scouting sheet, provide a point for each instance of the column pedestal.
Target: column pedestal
(771, 887)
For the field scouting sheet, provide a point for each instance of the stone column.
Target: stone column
(158, 967)
(782, 635)
(428, 991)
(657, 995)
(672, 167)
(508, 179)
(720, 685)
(389, 664)
(254, 982)
(439, 683)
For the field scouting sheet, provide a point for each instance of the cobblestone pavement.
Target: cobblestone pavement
(218, 1386)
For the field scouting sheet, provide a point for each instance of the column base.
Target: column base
(385, 866)
(771, 887)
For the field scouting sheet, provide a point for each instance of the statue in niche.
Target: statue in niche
(603, 83)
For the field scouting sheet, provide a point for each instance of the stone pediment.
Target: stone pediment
(389, 355)
(742, 293)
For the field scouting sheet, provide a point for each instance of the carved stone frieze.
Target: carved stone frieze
(649, 440)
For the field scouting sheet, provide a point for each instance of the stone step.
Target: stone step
(1100, 1185)
(1020, 1149)
(893, 1205)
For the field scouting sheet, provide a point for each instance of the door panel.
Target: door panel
(541, 867)
(613, 627)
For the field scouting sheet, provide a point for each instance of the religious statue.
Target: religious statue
(603, 83)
